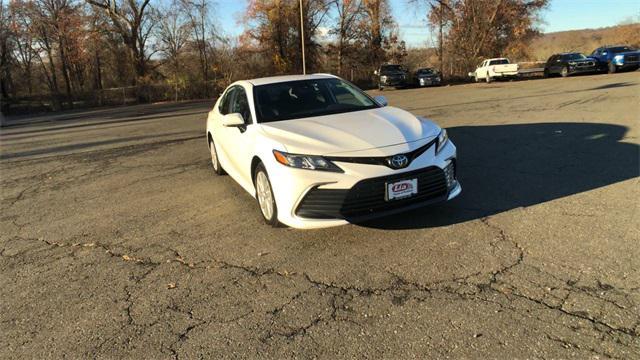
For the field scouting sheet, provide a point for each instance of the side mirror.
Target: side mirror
(381, 100)
(233, 119)
(375, 72)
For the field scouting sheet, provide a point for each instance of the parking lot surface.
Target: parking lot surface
(117, 240)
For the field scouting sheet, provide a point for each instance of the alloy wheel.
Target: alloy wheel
(265, 195)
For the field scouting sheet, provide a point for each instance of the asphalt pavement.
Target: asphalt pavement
(117, 240)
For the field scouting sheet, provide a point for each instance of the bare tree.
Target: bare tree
(375, 26)
(348, 13)
(24, 40)
(173, 34)
(133, 21)
(198, 12)
(5, 50)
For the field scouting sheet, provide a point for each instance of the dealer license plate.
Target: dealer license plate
(401, 189)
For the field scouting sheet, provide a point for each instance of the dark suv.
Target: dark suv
(427, 77)
(566, 64)
(614, 58)
(391, 75)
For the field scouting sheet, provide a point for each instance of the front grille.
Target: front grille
(631, 58)
(586, 64)
(383, 160)
(367, 197)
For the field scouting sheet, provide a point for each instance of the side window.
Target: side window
(240, 104)
(226, 100)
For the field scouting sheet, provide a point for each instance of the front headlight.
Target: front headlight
(383, 78)
(572, 63)
(309, 162)
(618, 58)
(442, 140)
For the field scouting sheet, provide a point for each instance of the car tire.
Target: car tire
(264, 196)
(612, 68)
(488, 78)
(564, 72)
(215, 161)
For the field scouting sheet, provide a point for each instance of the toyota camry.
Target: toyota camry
(316, 151)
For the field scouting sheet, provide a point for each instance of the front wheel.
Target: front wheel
(215, 161)
(565, 72)
(264, 194)
(612, 68)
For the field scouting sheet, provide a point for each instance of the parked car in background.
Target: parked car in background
(491, 69)
(427, 77)
(391, 75)
(616, 58)
(566, 64)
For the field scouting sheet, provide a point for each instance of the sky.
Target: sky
(559, 16)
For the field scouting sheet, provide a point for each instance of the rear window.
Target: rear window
(499, 62)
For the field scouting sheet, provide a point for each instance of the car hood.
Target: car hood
(392, 73)
(366, 132)
(583, 60)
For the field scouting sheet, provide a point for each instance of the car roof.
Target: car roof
(285, 78)
(570, 53)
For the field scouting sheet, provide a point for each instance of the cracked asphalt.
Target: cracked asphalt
(118, 241)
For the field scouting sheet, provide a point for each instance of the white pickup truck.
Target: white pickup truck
(495, 68)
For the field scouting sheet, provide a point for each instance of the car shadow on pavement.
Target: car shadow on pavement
(612, 86)
(509, 166)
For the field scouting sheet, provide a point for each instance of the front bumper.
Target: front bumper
(627, 63)
(583, 68)
(293, 187)
(393, 81)
(428, 81)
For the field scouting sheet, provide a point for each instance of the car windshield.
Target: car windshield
(390, 68)
(620, 49)
(425, 72)
(499, 62)
(576, 56)
(307, 98)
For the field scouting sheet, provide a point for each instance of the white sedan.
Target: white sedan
(316, 151)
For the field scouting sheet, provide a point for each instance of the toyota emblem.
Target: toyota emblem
(398, 161)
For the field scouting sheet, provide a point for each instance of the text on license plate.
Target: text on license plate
(402, 189)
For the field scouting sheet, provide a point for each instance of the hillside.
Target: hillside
(585, 40)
